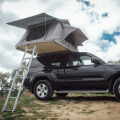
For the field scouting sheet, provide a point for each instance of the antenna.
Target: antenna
(9, 35)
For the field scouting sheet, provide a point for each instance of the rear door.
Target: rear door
(57, 64)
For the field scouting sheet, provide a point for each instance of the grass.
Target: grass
(90, 112)
(21, 114)
(42, 111)
(87, 112)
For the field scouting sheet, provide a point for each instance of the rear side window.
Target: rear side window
(58, 61)
(54, 60)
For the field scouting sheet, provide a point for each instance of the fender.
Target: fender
(110, 81)
(41, 75)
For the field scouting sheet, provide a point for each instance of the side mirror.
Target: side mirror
(95, 60)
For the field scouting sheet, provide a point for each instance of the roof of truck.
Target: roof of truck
(63, 52)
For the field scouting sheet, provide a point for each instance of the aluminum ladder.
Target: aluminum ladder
(17, 74)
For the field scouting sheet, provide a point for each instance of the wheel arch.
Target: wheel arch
(114, 78)
(38, 78)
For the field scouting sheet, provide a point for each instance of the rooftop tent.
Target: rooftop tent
(49, 33)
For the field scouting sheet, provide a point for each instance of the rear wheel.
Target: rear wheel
(61, 94)
(116, 88)
(43, 90)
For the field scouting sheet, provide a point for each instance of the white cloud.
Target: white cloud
(24, 8)
(88, 18)
(111, 7)
(114, 50)
(109, 25)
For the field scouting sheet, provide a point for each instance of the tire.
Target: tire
(61, 94)
(116, 88)
(43, 90)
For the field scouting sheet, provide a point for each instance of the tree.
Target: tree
(114, 61)
(4, 84)
(6, 81)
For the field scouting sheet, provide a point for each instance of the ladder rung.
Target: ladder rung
(23, 67)
(13, 97)
(27, 58)
(19, 75)
(7, 110)
(13, 89)
(13, 85)
(29, 49)
(17, 69)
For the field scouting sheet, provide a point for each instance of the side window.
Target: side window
(80, 60)
(58, 61)
(77, 61)
(86, 60)
(55, 64)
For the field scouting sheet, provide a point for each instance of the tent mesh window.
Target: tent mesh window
(70, 39)
(37, 32)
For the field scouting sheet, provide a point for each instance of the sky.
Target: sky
(98, 19)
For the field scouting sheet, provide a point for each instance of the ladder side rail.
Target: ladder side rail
(23, 57)
(30, 61)
(26, 73)
(27, 70)
(17, 73)
(9, 93)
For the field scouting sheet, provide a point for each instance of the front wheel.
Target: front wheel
(43, 90)
(116, 88)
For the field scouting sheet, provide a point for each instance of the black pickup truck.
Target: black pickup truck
(72, 72)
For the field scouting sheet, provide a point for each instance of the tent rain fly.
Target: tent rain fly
(50, 34)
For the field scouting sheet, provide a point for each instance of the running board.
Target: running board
(81, 91)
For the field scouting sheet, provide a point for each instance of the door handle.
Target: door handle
(75, 68)
(50, 69)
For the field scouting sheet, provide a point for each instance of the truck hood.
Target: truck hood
(114, 66)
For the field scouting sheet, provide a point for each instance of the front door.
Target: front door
(83, 74)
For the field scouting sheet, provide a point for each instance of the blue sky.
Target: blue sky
(98, 19)
(110, 37)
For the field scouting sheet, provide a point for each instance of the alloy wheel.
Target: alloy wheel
(42, 90)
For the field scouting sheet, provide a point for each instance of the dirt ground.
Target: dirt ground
(86, 108)
(73, 108)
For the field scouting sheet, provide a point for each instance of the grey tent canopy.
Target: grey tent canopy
(35, 20)
(50, 34)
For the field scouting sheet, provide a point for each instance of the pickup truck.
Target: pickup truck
(71, 72)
